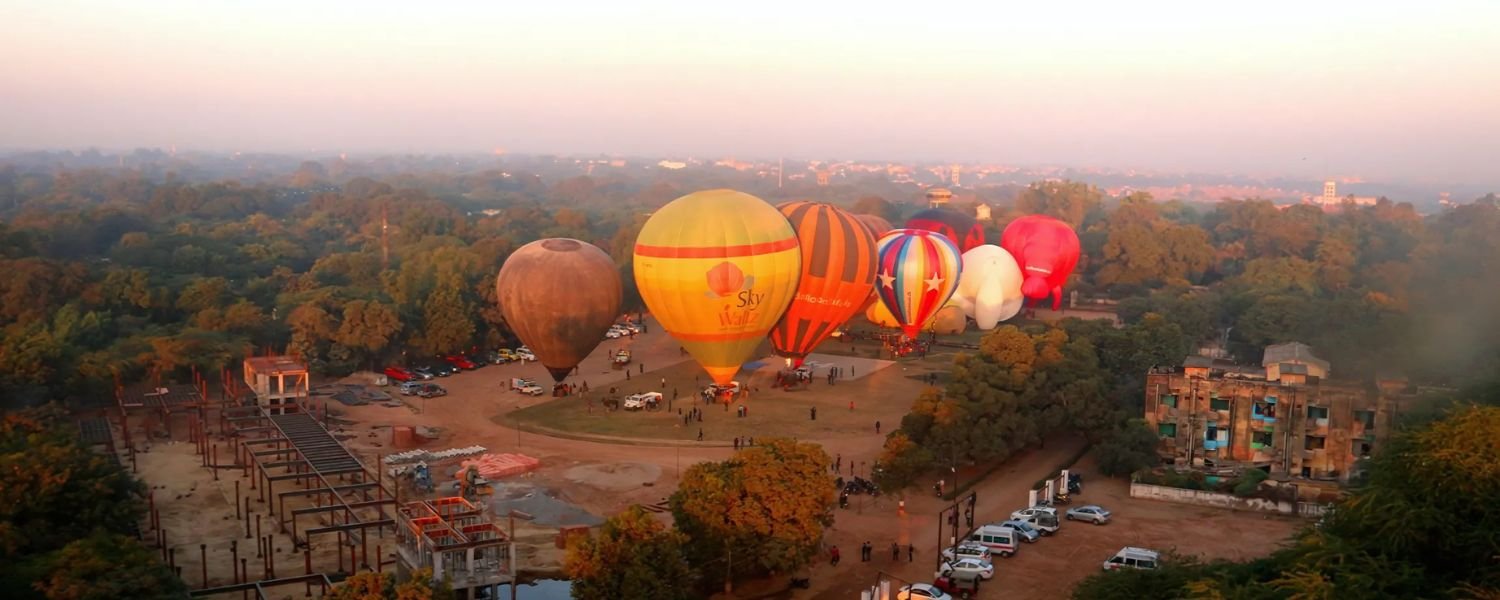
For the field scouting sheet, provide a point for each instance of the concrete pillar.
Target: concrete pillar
(1031, 499)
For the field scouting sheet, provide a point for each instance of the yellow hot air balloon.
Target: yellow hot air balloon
(717, 269)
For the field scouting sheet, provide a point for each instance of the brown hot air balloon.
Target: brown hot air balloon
(560, 296)
(877, 225)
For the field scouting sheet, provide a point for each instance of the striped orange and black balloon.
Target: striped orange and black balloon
(838, 275)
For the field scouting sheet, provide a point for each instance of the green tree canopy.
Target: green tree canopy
(633, 555)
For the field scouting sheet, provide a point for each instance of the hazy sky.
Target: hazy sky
(1384, 90)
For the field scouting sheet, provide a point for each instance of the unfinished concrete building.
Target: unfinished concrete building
(278, 382)
(1285, 416)
(455, 538)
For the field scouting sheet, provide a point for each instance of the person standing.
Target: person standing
(895, 551)
(911, 552)
(877, 428)
(700, 434)
(833, 555)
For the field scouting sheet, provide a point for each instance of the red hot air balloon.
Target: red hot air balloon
(838, 275)
(963, 229)
(1047, 250)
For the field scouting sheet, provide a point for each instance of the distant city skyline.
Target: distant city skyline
(1391, 91)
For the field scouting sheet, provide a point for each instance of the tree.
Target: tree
(367, 326)
(369, 585)
(447, 326)
(901, 462)
(1069, 201)
(633, 555)
(108, 566)
(1130, 448)
(768, 506)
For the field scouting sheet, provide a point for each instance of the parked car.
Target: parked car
(1092, 513)
(1028, 533)
(423, 373)
(1000, 540)
(1133, 558)
(958, 585)
(397, 374)
(460, 361)
(410, 388)
(495, 358)
(921, 591)
(526, 386)
(732, 388)
(616, 332)
(968, 566)
(442, 369)
(524, 353)
(1046, 523)
(966, 550)
(639, 401)
(431, 390)
(1026, 513)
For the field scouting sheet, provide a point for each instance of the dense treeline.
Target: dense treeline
(108, 274)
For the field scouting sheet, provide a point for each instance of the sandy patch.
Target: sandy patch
(614, 476)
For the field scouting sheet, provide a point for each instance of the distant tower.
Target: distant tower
(1330, 192)
(955, 176)
(780, 166)
(822, 177)
(938, 197)
(982, 212)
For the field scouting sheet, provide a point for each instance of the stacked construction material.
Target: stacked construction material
(495, 466)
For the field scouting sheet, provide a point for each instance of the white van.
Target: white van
(1000, 540)
(1133, 558)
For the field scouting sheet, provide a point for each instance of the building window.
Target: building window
(1263, 438)
(1362, 448)
(1314, 442)
(1317, 412)
(1264, 409)
(1167, 430)
(1169, 400)
(1218, 404)
(1365, 416)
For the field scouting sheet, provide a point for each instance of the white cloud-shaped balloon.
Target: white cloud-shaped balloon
(989, 288)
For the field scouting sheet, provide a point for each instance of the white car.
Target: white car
(922, 591)
(525, 354)
(640, 401)
(968, 566)
(966, 550)
(1092, 513)
(613, 333)
(1133, 558)
(1026, 513)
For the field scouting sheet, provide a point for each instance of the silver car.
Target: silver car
(1027, 532)
(1092, 513)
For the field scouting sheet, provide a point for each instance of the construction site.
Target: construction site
(254, 493)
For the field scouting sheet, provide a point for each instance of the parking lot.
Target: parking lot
(1050, 567)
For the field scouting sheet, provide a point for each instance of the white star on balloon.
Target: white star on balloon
(887, 280)
(934, 283)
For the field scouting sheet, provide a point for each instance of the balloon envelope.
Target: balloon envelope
(990, 278)
(1047, 250)
(559, 296)
(919, 271)
(878, 225)
(963, 229)
(838, 276)
(948, 321)
(717, 269)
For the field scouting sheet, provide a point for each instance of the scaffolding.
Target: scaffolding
(348, 499)
(455, 538)
(161, 400)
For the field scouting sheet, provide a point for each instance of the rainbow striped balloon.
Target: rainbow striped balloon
(918, 272)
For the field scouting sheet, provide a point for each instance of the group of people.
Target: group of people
(867, 553)
(744, 442)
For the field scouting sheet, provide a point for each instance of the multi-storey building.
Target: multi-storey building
(1285, 416)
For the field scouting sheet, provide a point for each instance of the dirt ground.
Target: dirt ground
(606, 461)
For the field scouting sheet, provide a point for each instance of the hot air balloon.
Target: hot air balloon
(838, 276)
(961, 228)
(559, 296)
(878, 225)
(991, 278)
(919, 270)
(1047, 250)
(948, 320)
(878, 315)
(717, 269)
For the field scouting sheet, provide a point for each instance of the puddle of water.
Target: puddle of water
(546, 509)
(541, 589)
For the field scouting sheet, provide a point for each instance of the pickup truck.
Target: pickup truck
(639, 401)
(526, 386)
(622, 357)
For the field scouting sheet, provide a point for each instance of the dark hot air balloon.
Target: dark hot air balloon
(838, 275)
(560, 296)
(963, 229)
(877, 224)
(1046, 250)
